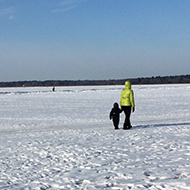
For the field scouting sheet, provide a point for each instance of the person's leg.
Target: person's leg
(116, 123)
(127, 111)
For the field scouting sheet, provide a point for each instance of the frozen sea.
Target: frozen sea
(65, 140)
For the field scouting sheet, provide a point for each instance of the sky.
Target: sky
(93, 39)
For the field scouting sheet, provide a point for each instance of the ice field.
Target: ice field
(65, 140)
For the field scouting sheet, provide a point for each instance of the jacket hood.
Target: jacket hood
(116, 105)
(128, 84)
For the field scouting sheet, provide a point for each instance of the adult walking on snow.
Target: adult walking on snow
(127, 104)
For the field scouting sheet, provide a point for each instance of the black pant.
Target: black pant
(127, 111)
(116, 123)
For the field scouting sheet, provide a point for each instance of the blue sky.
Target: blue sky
(93, 39)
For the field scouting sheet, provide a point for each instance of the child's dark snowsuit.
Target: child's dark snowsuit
(114, 114)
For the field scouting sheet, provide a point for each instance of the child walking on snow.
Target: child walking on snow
(114, 115)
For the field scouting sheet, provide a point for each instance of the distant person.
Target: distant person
(53, 88)
(114, 115)
(127, 103)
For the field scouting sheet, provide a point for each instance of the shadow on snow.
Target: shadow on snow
(160, 125)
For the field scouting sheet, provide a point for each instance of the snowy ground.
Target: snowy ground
(65, 140)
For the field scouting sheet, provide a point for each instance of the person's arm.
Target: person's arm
(132, 101)
(111, 114)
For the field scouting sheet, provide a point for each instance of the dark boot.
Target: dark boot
(125, 127)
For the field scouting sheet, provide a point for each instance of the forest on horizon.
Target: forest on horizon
(147, 80)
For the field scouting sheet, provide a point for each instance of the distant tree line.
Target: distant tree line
(147, 80)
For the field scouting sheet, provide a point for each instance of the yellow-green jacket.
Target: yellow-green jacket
(127, 97)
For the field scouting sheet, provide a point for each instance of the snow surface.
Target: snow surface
(65, 140)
